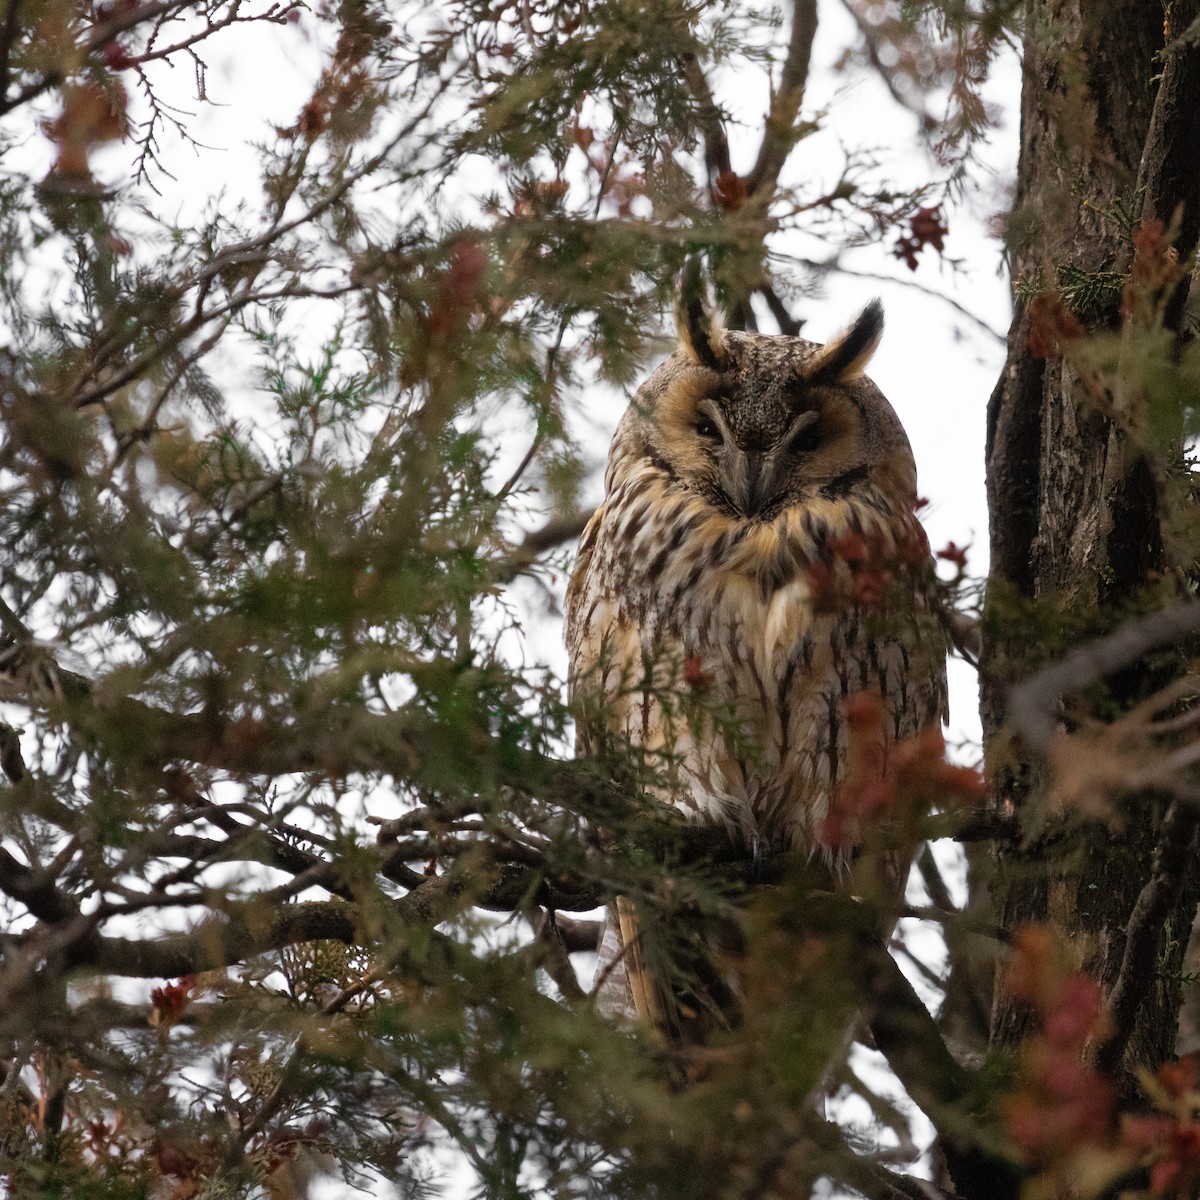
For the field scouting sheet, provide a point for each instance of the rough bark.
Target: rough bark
(1077, 518)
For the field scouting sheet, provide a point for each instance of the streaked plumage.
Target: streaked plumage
(719, 616)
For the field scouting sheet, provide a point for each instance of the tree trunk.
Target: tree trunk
(1076, 510)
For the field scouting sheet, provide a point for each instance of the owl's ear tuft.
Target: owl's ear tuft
(699, 330)
(847, 356)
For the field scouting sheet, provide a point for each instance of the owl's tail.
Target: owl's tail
(681, 1003)
(625, 987)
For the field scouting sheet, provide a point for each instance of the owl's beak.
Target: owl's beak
(751, 481)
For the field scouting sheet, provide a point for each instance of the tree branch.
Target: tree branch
(99, 37)
(1173, 855)
(788, 325)
(779, 136)
(708, 116)
(913, 1045)
(37, 890)
(8, 34)
(536, 542)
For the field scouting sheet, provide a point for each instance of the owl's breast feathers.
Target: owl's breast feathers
(726, 647)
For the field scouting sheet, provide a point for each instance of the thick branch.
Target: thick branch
(11, 761)
(913, 1045)
(223, 942)
(35, 889)
(8, 34)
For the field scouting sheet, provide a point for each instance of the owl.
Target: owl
(755, 569)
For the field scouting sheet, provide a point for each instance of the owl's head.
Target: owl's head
(756, 423)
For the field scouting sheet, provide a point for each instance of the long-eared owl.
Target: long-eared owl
(757, 550)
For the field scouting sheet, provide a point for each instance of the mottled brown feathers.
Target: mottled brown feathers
(757, 534)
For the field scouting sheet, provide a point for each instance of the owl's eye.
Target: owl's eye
(706, 427)
(804, 440)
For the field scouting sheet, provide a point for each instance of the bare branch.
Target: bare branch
(578, 935)
(833, 264)
(779, 136)
(875, 50)
(708, 115)
(555, 958)
(536, 542)
(11, 761)
(913, 1045)
(37, 890)
(788, 325)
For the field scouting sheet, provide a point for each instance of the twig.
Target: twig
(554, 533)
(788, 325)
(546, 390)
(831, 265)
